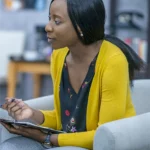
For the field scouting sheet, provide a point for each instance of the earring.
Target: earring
(81, 34)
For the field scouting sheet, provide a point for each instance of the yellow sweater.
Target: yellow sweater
(109, 98)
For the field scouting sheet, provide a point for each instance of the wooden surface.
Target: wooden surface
(35, 68)
(38, 69)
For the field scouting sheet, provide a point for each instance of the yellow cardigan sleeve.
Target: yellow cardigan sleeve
(113, 102)
(50, 116)
(49, 119)
(115, 85)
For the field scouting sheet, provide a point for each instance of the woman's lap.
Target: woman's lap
(21, 143)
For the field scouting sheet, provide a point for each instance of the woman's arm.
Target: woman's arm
(115, 85)
(49, 119)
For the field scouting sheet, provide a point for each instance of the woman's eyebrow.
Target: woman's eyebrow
(56, 16)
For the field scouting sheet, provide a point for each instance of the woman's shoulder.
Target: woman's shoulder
(110, 55)
(110, 51)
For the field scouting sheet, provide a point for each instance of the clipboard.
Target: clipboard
(31, 125)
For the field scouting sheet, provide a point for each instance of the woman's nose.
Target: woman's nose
(48, 27)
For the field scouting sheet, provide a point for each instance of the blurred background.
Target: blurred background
(24, 65)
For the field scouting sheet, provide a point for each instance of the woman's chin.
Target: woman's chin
(55, 46)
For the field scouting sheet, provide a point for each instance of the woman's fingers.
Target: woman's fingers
(8, 101)
(10, 107)
(14, 129)
(20, 111)
(4, 106)
(10, 128)
(21, 104)
(13, 105)
(16, 108)
(17, 114)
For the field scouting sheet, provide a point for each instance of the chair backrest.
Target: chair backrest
(11, 43)
(141, 96)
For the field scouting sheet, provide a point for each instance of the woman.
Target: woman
(91, 77)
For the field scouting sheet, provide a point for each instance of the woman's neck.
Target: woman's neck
(84, 53)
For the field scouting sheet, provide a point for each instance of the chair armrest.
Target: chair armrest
(43, 103)
(125, 134)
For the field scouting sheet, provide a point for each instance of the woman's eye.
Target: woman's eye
(57, 22)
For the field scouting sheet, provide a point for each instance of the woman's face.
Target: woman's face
(60, 31)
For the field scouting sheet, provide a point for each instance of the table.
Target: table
(37, 68)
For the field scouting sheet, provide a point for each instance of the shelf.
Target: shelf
(113, 29)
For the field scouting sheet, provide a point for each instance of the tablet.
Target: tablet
(30, 125)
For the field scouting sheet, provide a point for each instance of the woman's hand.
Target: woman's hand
(18, 109)
(34, 134)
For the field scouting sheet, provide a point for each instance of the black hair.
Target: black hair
(89, 16)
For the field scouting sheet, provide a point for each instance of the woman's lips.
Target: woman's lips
(50, 40)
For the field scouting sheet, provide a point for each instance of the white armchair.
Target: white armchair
(125, 134)
(131, 133)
